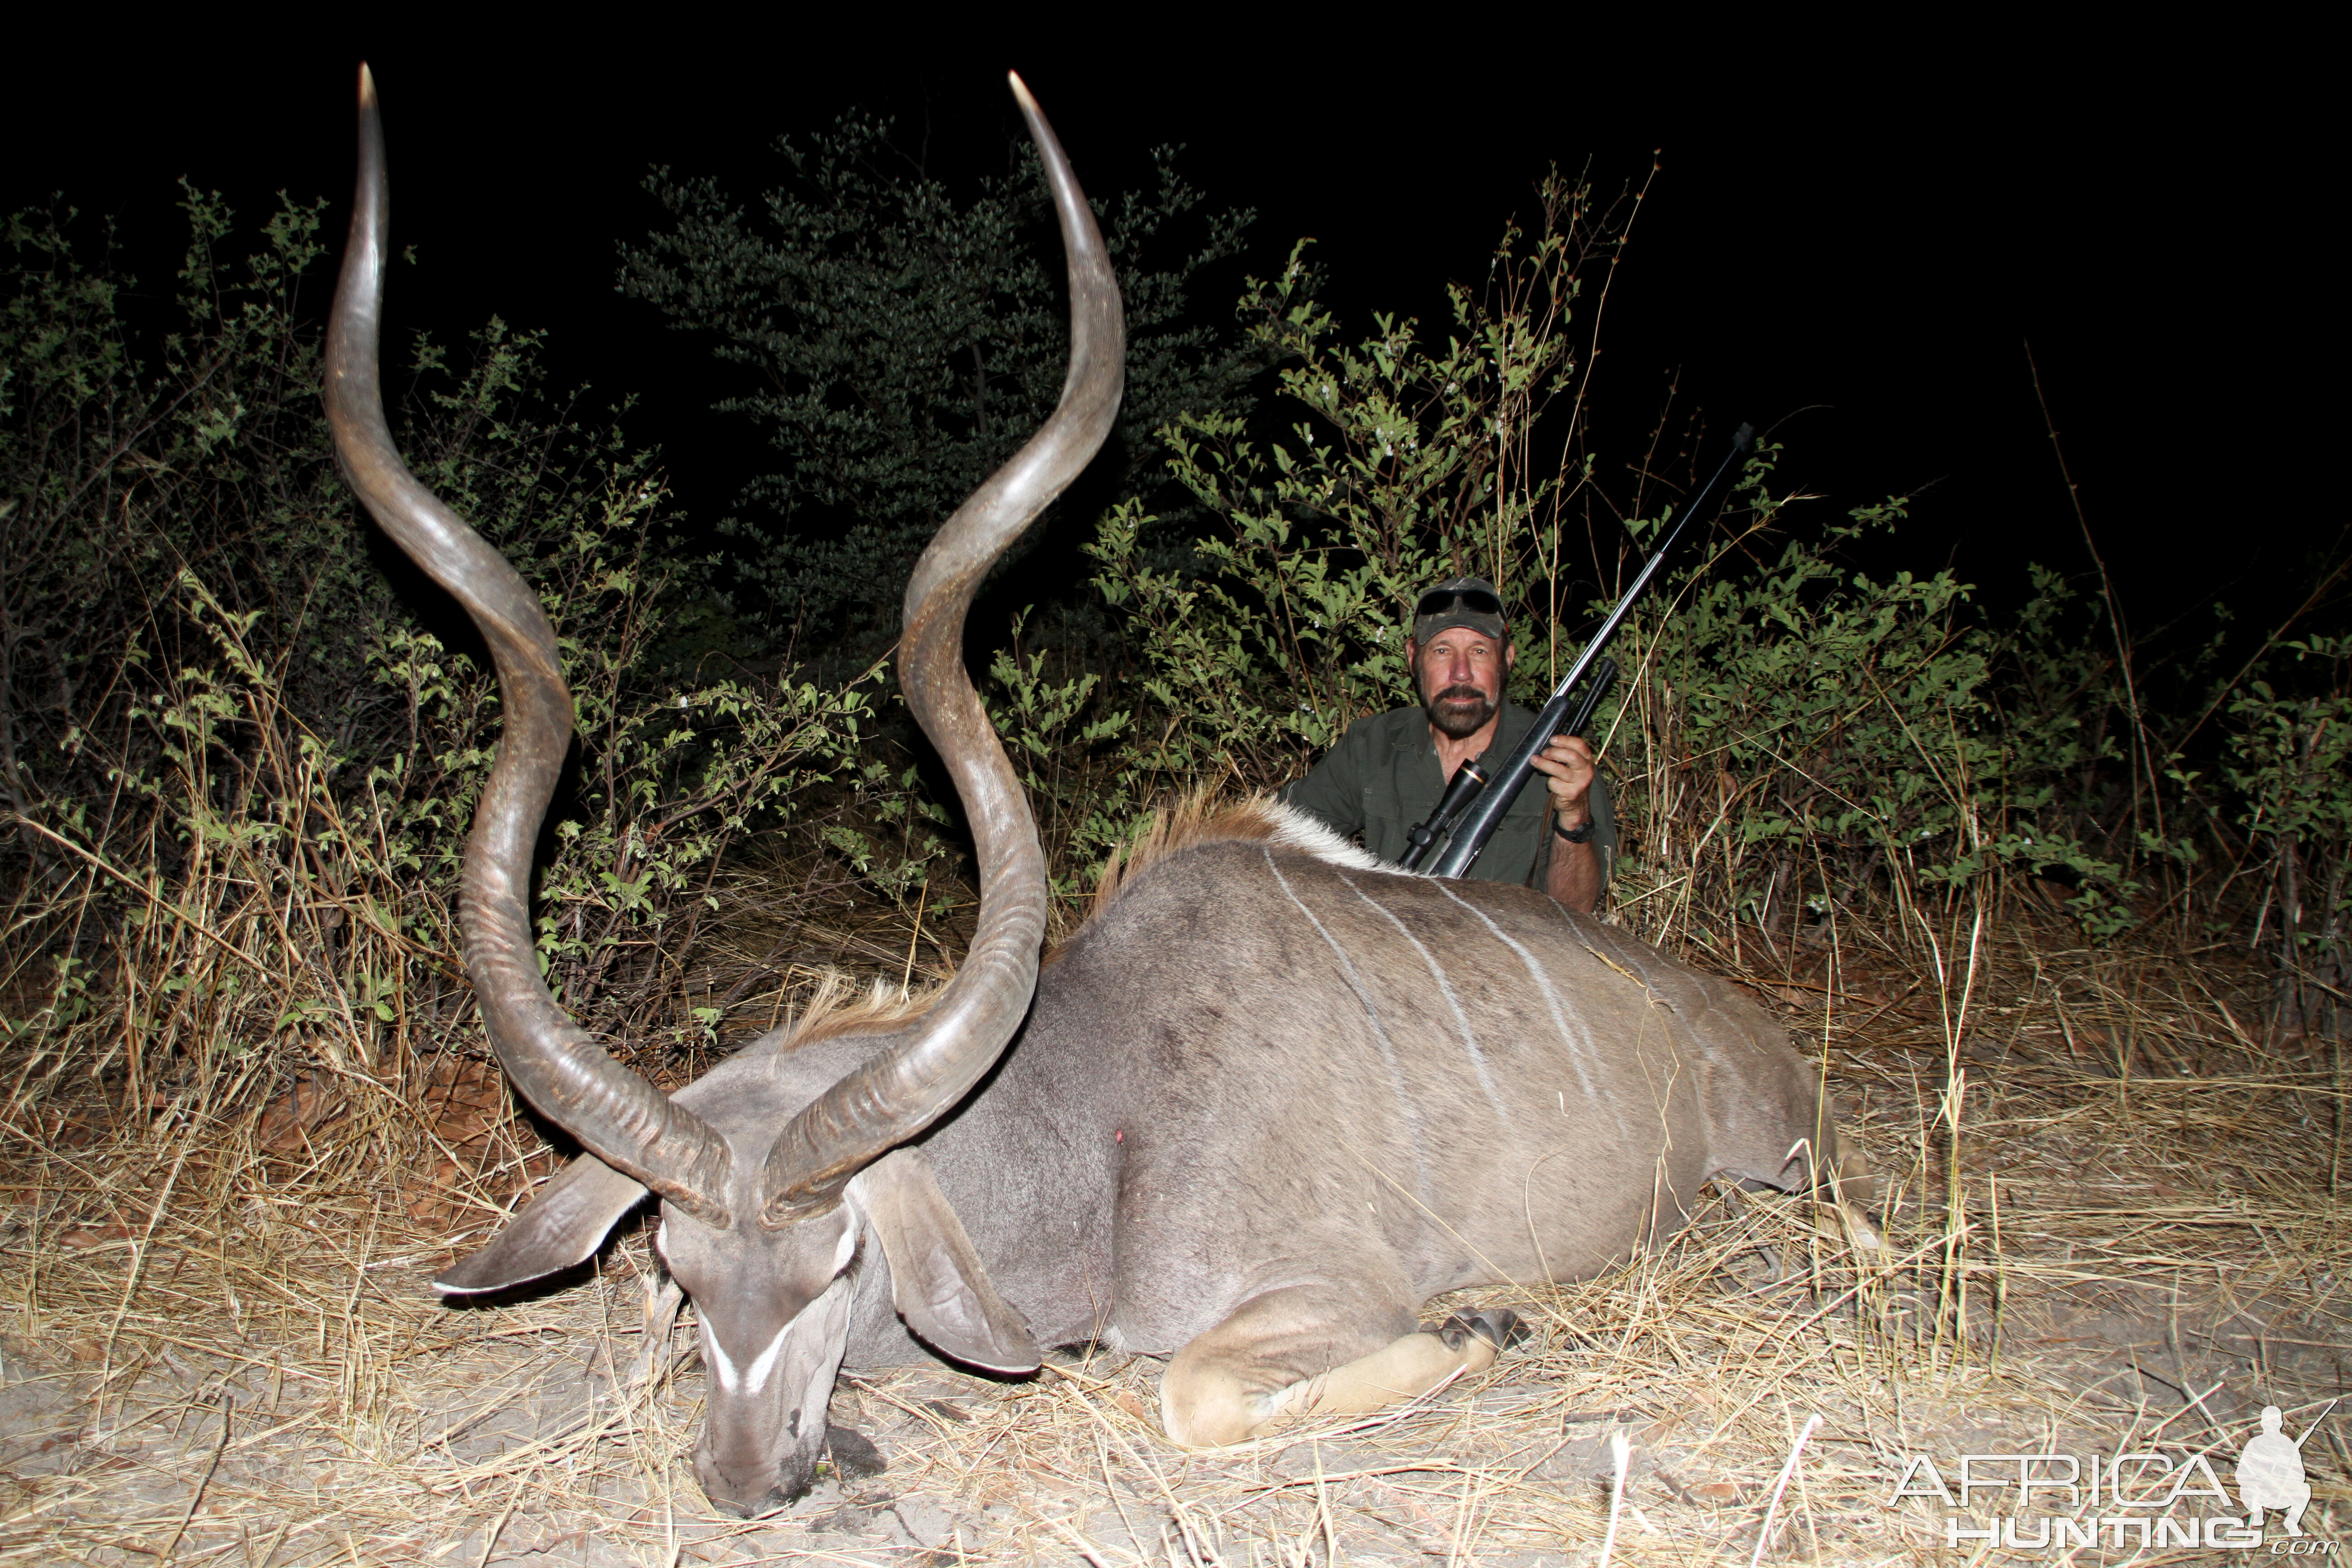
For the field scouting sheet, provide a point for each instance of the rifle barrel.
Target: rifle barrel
(1486, 814)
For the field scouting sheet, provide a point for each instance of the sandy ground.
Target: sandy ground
(2130, 1244)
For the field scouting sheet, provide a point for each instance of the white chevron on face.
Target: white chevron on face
(765, 1364)
(752, 1379)
(721, 1366)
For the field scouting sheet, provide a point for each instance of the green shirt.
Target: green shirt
(1382, 780)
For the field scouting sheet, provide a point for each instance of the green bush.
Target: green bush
(1792, 734)
(240, 744)
(2291, 762)
(901, 343)
(240, 768)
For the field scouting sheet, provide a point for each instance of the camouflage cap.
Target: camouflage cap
(1459, 602)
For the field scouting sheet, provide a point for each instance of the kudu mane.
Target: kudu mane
(843, 1006)
(1210, 816)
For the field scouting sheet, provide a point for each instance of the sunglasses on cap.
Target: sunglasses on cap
(1438, 601)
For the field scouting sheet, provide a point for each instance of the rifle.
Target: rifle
(1471, 777)
(1485, 798)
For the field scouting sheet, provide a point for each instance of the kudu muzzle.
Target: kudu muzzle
(763, 1423)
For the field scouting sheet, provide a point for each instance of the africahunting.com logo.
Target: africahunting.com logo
(2066, 1502)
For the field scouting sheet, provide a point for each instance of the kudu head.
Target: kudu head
(767, 1180)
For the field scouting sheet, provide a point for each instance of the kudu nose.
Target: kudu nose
(748, 1501)
(744, 1496)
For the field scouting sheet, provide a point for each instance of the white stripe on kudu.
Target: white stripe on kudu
(1578, 1047)
(1355, 984)
(1446, 988)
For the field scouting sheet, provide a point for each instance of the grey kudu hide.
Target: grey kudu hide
(1270, 1099)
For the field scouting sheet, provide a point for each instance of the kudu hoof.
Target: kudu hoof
(1498, 1326)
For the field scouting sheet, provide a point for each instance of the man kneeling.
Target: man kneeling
(1387, 772)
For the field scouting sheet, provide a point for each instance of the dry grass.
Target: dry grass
(2110, 1217)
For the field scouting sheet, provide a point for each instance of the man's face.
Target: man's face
(1460, 673)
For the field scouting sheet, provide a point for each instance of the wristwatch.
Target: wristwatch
(1575, 834)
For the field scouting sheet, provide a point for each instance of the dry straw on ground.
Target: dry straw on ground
(2110, 1223)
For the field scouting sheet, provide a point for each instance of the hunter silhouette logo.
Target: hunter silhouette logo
(2270, 1472)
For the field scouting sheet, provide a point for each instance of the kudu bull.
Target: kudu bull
(1270, 1099)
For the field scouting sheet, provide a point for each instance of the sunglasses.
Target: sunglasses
(1476, 600)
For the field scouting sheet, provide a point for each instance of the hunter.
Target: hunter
(1387, 772)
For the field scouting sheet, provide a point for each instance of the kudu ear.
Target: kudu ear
(566, 1223)
(935, 1279)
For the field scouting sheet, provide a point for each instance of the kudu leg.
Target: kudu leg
(1247, 1376)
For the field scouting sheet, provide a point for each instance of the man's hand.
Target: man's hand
(1566, 766)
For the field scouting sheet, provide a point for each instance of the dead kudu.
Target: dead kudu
(1268, 1100)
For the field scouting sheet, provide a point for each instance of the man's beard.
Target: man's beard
(1460, 711)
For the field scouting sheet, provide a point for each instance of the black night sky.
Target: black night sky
(1851, 248)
